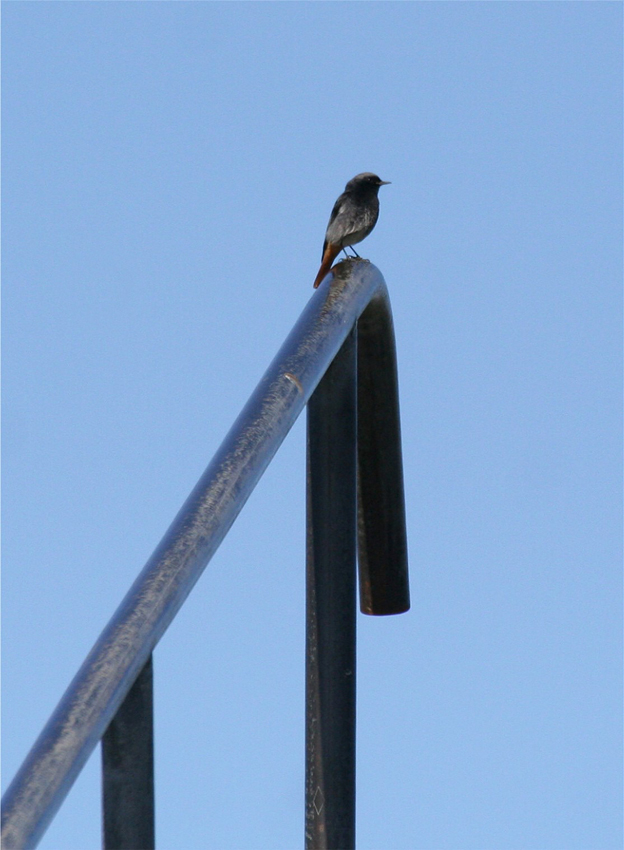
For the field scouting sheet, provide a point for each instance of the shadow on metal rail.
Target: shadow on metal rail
(340, 357)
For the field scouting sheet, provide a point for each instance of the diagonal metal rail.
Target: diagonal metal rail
(110, 696)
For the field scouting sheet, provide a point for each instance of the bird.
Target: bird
(353, 217)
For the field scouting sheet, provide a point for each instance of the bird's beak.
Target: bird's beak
(385, 182)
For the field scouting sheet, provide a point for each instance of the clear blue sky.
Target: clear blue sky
(169, 169)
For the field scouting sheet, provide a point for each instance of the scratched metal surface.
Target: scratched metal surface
(108, 672)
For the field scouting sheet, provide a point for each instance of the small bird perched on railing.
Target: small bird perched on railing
(353, 217)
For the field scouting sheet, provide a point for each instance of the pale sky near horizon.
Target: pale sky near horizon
(168, 172)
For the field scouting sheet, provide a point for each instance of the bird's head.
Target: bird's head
(365, 182)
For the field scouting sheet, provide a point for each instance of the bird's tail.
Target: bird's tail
(331, 252)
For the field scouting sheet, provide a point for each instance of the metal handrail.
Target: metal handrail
(93, 698)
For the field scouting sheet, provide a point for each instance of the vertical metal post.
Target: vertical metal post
(128, 770)
(331, 606)
(382, 536)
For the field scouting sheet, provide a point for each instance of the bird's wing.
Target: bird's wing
(335, 213)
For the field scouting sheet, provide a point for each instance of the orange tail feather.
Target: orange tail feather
(331, 252)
